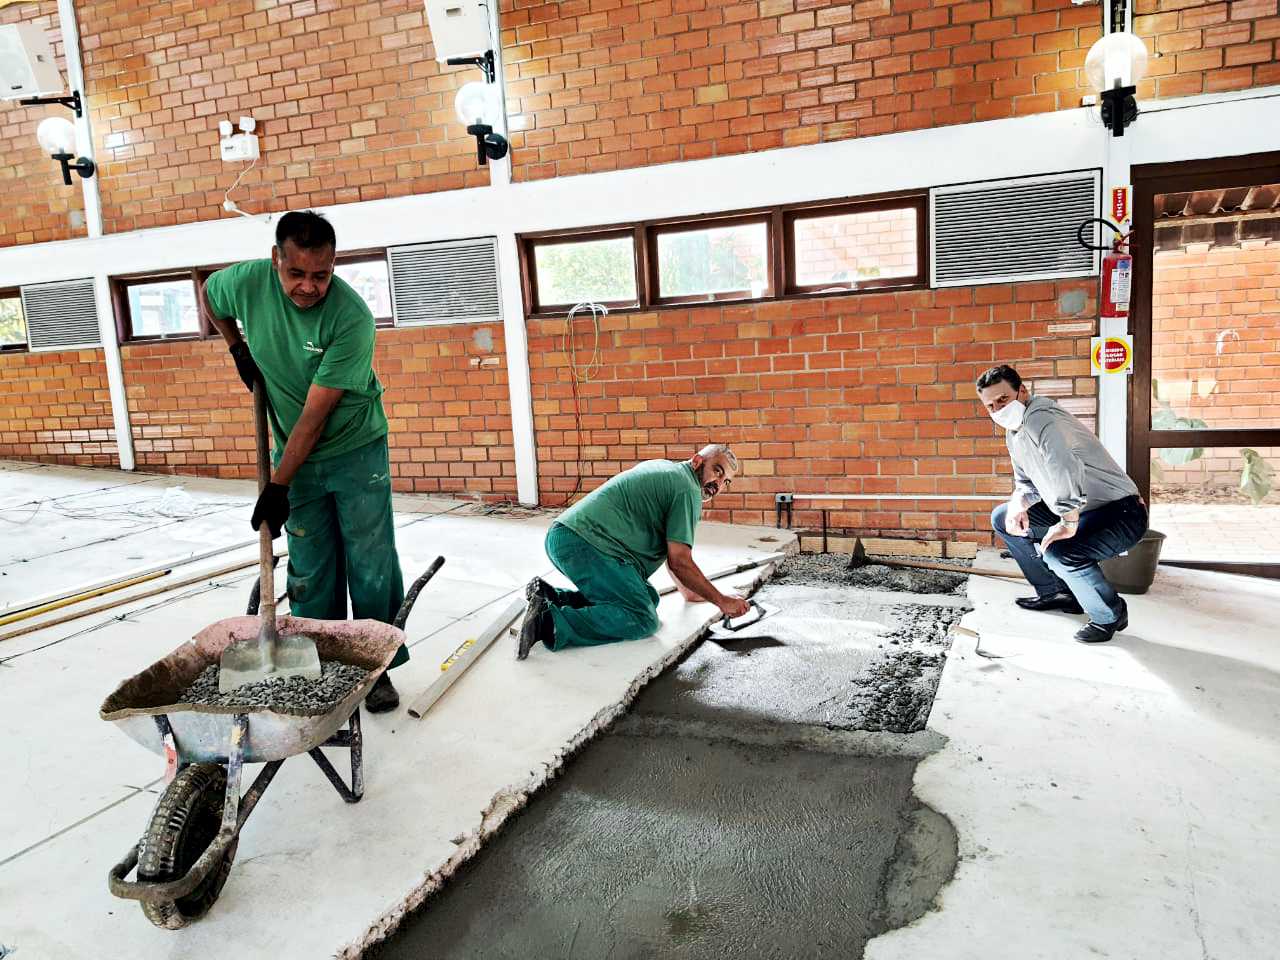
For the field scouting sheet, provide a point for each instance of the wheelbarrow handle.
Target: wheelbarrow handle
(411, 597)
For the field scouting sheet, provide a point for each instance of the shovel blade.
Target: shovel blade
(296, 656)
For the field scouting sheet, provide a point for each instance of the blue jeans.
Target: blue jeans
(1071, 565)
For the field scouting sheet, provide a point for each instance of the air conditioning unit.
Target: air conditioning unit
(459, 28)
(27, 65)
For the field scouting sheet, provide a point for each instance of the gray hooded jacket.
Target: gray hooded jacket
(1058, 461)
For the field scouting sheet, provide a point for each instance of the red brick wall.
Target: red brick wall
(855, 394)
(55, 408)
(1208, 47)
(1216, 344)
(606, 84)
(450, 421)
(35, 206)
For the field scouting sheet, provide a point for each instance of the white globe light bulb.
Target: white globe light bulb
(1109, 58)
(475, 103)
(56, 135)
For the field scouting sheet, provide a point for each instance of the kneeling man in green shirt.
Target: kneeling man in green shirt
(610, 543)
(309, 337)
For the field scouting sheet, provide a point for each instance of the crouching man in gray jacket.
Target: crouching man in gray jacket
(1071, 507)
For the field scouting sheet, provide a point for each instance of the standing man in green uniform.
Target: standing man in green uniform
(309, 337)
(610, 543)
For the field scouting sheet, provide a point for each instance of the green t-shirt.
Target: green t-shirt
(329, 344)
(633, 515)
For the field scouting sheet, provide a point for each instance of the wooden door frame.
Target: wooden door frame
(1149, 181)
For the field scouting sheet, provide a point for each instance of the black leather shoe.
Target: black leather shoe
(1058, 601)
(537, 587)
(531, 628)
(1100, 633)
(382, 697)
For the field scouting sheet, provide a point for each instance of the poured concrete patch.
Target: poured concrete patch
(679, 847)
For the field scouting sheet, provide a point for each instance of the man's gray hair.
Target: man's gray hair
(713, 450)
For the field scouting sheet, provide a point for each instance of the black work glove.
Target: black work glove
(272, 507)
(245, 366)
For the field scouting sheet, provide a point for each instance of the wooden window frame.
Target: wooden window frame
(15, 293)
(124, 319)
(781, 266)
(654, 231)
(199, 276)
(529, 266)
(920, 278)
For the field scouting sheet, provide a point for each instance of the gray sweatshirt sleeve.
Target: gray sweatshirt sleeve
(1060, 460)
(1023, 487)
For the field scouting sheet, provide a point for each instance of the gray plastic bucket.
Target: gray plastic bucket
(1134, 572)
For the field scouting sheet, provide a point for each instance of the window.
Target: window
(13, 325)
(805, 250)
(729, 261)
(601, 268)
(162, 308)
(855, 247)
(368, 276)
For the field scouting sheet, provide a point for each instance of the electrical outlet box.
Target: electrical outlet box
(27, 65)
(459, 28)
(238, 147)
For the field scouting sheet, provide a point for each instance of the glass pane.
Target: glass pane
(163, 309)
(596, 270)
(13, 326)
(371, 280)
(855, 247)
(1217, 503)
(1215, 316)
(718, 260)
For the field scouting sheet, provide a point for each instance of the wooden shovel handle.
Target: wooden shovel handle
(266, 555)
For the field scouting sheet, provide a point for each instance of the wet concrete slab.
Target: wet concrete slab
(679, 847)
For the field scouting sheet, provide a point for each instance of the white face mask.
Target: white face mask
(1010, 415)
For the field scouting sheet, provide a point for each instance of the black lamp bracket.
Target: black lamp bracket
(485, 63)
(83, 166)
(489, 145)
(1119, 108)
(72, 102)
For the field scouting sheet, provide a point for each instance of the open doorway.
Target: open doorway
(1204, 437)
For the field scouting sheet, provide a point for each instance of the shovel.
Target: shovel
(270, 655)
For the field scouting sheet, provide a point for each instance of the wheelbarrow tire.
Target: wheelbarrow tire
(185, 821)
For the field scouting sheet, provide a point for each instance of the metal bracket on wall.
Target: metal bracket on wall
(781, 501)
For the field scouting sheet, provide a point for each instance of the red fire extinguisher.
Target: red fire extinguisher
(1117, 278)
(1117, 269)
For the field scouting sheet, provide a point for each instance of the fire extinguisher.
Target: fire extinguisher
(1117, 270)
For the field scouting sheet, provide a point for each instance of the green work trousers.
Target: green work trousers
(613, 600)
(342, 537)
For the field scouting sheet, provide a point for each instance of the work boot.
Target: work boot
(383, 696)
(536, 623)
(1102, 632)
(1056, 601)
(537, 587)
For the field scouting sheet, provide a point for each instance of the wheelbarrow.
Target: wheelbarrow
(184, 858)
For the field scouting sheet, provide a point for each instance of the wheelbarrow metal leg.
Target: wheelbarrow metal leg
(352, 739)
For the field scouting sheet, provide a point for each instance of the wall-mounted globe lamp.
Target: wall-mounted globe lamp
(479, 107)
(1114, 66)
(57, 136)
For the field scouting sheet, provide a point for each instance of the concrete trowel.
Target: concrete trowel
(270, 655)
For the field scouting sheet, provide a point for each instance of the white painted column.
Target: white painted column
(518, 380)
(93, 223)
(513, 319)
(1113, 390)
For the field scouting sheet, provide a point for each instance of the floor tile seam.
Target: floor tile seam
(79, 823)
